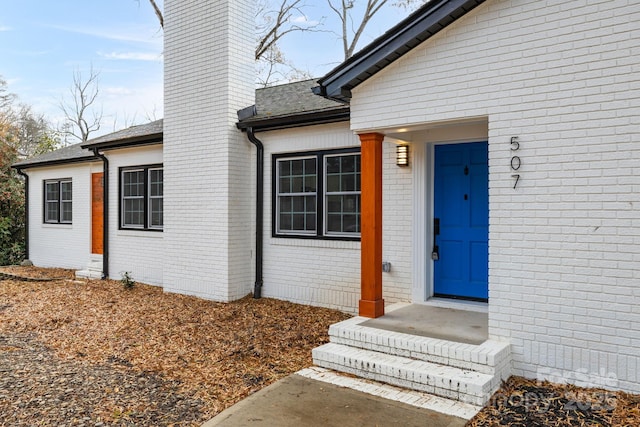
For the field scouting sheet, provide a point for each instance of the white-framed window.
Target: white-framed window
(141, 197)
(317, 194)
(58, 201)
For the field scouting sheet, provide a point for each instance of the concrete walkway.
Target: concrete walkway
(297, 401)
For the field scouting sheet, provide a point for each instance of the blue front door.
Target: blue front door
(461, 221)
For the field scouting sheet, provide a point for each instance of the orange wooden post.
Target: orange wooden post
(371, 302)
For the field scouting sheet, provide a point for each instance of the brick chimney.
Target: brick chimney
(208, 211)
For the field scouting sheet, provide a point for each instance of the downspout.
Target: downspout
(257, 289)
(26, 212)
(105, 213)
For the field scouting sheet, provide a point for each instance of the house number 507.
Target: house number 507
(515, 160)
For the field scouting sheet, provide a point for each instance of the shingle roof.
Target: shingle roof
(70, 154)
(134, 135)
(292, 104)
(149, 132)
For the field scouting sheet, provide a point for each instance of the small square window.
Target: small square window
(141, 198)
(58, 201)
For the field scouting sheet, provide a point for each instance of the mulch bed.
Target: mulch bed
(528, 403)
(204, 354)
(91, 353)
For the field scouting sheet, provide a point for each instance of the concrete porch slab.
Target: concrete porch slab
(469, 327)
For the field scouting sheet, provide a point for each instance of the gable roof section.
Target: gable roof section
(290, 105)
(409, 33)
(150, 133)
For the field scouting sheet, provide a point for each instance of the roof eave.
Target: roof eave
(151, 139)
(21, 166)
(406, 35)
(297, 120)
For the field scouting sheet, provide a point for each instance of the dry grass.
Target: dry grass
(219, 352)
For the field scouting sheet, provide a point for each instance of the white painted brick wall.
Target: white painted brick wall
(138, 252)
(325, 272)
(61, 245)
(209, 75)
(564, 76)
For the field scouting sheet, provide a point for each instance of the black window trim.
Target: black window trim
(59, 182)
(147, 199)
(320, 233)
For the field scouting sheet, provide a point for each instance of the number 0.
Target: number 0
(515, 163)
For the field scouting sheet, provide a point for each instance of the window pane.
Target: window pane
(348, 163)
(155, 183)
(284, 168)
(52, 191)
(310, 183)
(343, 214)
(333, 164)
(297, 184)
(297, 167)
(285, 222)
(66, 214)
(285, 185)
(156, 213)
(333, 183)
(67, 194)
(133, 183)
(285, 204)
(310, 166)
(134, 212)
(52, 211)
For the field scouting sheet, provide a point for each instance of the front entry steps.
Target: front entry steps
(93, 269)
(465, 372)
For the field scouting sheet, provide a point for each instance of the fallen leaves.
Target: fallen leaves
(523, 402)
(219, 352)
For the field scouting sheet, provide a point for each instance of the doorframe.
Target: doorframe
(423, 213)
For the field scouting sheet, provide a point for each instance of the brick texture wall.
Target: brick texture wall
(45, 249)
(326, 272)
(563, 76)
(138, 252)
(209, 75)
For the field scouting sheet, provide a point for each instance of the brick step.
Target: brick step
(491, 357)
(446, 381)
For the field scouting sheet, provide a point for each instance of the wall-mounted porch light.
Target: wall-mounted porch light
(402, 155)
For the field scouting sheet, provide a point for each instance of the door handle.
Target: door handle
(435, 253)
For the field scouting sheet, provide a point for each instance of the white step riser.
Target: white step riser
(445, 381)
(490, 357)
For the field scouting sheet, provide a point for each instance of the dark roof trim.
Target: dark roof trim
(155, 138)
(89, 158)
(297, 120)
(409, 33)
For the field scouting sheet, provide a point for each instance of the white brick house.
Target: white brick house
(522, 119)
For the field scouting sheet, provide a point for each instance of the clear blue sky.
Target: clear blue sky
(42, 42)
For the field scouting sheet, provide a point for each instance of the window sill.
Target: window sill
(291, 241)
(58, 225)
(128, 232)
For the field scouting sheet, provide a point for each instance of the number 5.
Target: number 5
(515, 144)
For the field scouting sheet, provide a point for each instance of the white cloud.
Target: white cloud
(131, 56)
(302, 19)
(119, 34)
(4, 28)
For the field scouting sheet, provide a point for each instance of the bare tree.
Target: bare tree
(6, 98)
(351, 29)
(80, 113)
(158, 12)
(274, 23)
